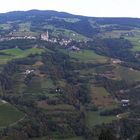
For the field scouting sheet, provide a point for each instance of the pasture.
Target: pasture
(62, 107)
(88, 56)
(128, 74)
(15, 53)
(101, 97)
(94, 118)
(5, 118)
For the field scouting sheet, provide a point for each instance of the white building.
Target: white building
(125, 102)
(45, 36)
(29, 71)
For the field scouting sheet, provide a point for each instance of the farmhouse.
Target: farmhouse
(74, 48)
(125, 102)
(116, 61)
(29, 72)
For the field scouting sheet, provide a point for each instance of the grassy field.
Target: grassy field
(113, 34)
(5, 26)
(5, 58)
(93, 118)
(101, 97)
(40, 86)
(5, 118)
(22, 53)
(72, 20)
(136, 42)
(127, 74)
(44, 105)
(134, 38)
(17, 53)
(24, 30)
(24, 27)
(47, 83)
(87, 56)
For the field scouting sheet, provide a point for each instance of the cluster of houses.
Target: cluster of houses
(45, 37)
(7, 38)
(65, 42)
(62, 42)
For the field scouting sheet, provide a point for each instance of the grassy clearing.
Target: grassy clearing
(101, 97)
(40, 86)
(136, 42)
(25, 33)
(128, 74)
(24, 27)
(24, 30)
(5, 118)
(4, 59)
(113, 34)
(134, 38)
(93, 118)
(17, 53)
(5, 26)
(72, 20)
(87, 56)
(47, 83)
(44, 105)
(22, 53)
(90, 71)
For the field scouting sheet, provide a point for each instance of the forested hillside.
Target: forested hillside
(69, 77)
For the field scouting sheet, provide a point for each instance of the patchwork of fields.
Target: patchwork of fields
(101, 98)
(43, 86)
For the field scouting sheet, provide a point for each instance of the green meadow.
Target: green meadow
(5, 118)
(94, 118)
(128, 74)
(86, 56)
(17, 53)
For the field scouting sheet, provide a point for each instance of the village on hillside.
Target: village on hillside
(44, 37)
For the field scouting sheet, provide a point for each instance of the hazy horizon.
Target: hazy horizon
(93, 8)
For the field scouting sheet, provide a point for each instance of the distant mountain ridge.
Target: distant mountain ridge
(87, 26)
